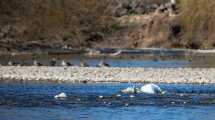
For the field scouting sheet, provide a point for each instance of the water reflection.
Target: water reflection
(125, 60)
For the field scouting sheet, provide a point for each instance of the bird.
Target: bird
(93, 52)
(118, 52)
(103, 64)
(126, 104)
(151, 89)
(83, 64)
(130, 90)
(10, 63)
(64, 63)
(147, 89)
(60, 96)
(36, 63)
(53, 62)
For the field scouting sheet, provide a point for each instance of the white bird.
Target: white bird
(10, 63)
(130, 90)
(103, 64)
(61, 95)
(118, 52)
(151, 89)
(63, 63)
(147, 89)
(36, 63)
(83, 64)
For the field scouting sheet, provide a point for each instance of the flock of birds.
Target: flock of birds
(54, 62)
(146, 89)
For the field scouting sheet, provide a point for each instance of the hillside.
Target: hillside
(57, 24)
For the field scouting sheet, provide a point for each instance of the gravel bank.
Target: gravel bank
(81, 74)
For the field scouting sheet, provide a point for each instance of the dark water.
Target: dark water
(36, 102)
(139, 59)
(113, 62)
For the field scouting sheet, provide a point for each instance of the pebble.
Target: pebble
(111, 74)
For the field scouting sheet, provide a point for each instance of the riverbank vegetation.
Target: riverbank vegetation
(62, 21)
(107, 23)
(198, 23)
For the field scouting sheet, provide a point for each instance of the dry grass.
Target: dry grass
(198, 21)
(79, 23)
(75, 20)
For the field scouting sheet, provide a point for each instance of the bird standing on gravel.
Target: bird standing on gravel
(10, 63)
(53, 62)
(83, 64)
(103, 64)
(36, 63)
(64, 63)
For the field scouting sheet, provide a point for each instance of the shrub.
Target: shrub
(47, 19)
(198, 23)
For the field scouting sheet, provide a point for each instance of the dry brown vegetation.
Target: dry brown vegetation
(29, 24)
(141, 31)
(75, 22)
(198, 23)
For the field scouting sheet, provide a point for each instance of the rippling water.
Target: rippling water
(36, 102)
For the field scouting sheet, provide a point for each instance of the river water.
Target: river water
(30, 101)
(35, 101)
(172, 60)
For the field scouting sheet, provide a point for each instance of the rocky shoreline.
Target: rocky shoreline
(116, 75)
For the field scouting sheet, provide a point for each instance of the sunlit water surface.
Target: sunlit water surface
(19, 101)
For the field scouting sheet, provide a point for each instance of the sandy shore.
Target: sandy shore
(82, 74)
